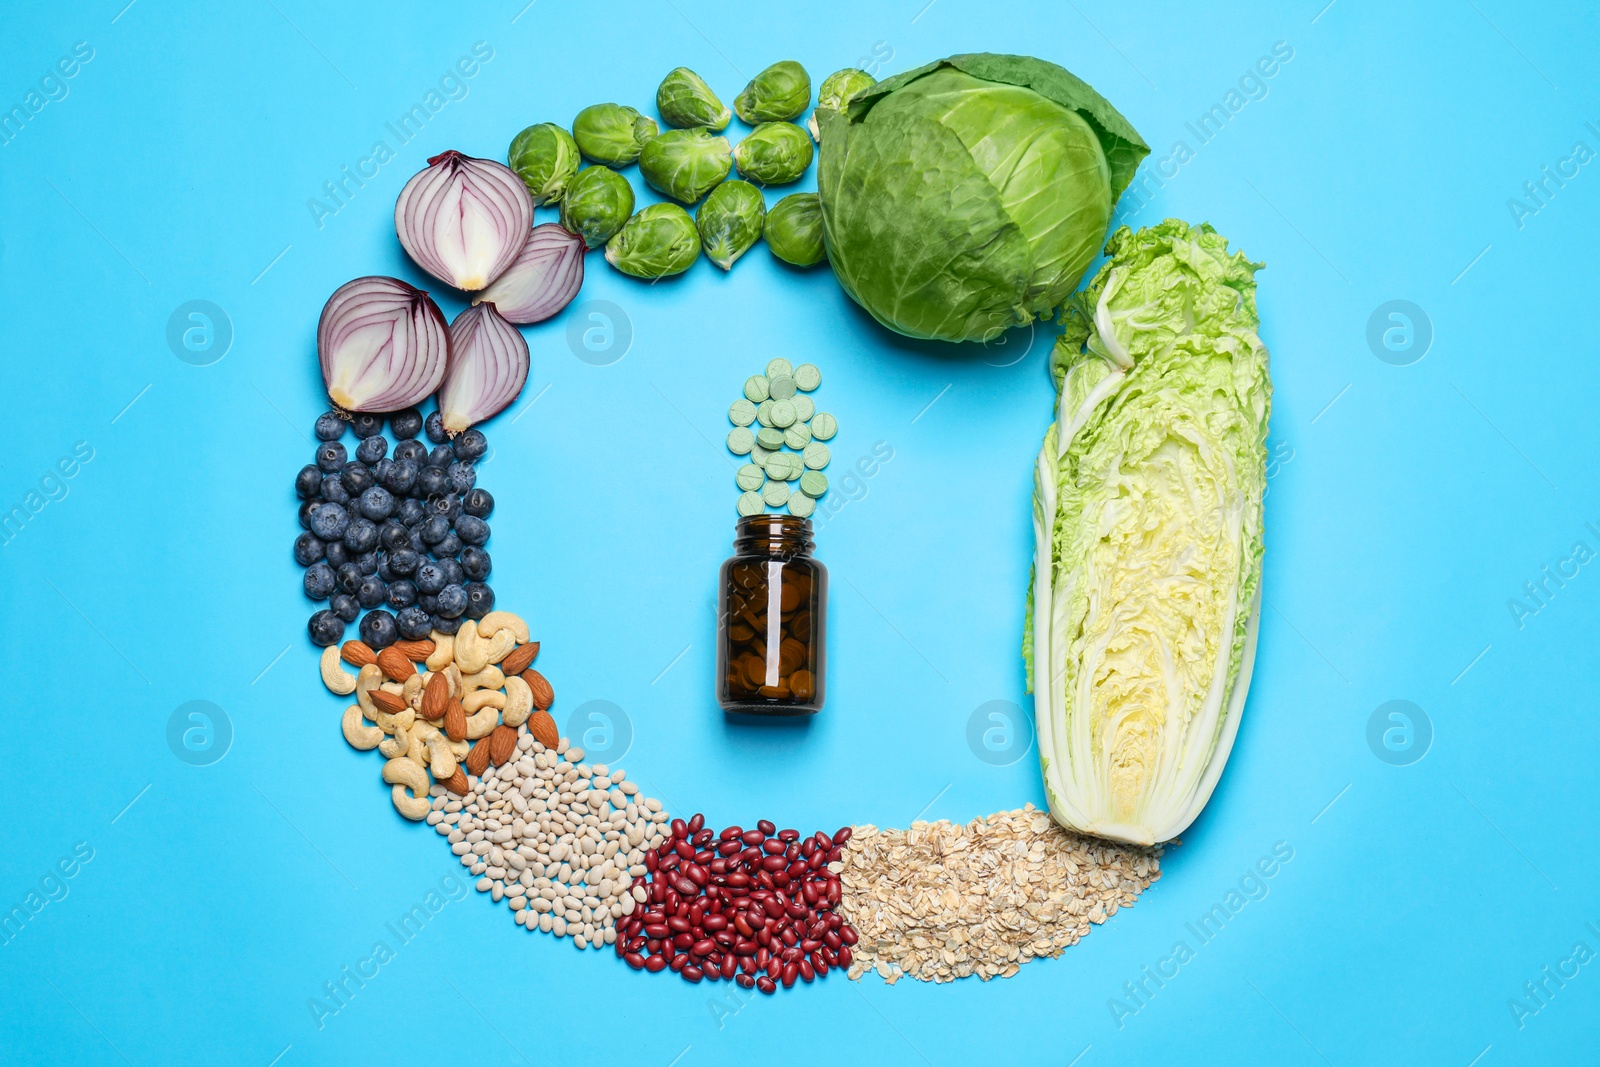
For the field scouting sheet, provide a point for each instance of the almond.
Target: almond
(414, 650)
(455, 721)
(520, 660)
(393, 703)
(543, 695)
(457, 783)
(502, 743)
(435, 696)
(478, 758)
(357, 654)
(395, 665)
(543, 729)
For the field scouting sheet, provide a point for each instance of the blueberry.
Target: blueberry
(472, 530)
(441, 457)
(411, 512)
(430, 577)
(402, 594)
(357, 479)
(333, 488)
(331, 456)
(480, 599)
(349, 577)
(319, 581)
(418, 545)
(330, 426)
(372, 449)
(367, 562)
(435, 427)
(384, 570)
(361, 536)
(475, 563)
(453, 574)
(306, 508)
(434, 529)
(326, 628)
(462, 476)
(308, 483)
(378, 629)
(413, 623)
(372, 591)
(407, 423)
(394, 536)
(400, 477)
(448, 548)
(366, 424)
(477, 502)
(377, 503)
(471, 445)
(404, 561)
(452, 601)
(344, 605)
(415, 451)
(380, 470)
(432, 481)
(329, 521)
(443, 625)
(308, 548)
(428, 602)
(338, 555)
(447, 504)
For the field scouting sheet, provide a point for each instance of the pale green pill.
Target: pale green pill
(782, 414)
(813, 484)
(751, 504)
(764, 413)
(807, 377)
(750, 477)
(795, 469)
(758, 455)
(797, 436)
(740, 441)
(824, 426)
(742, 413)
(779, 368)
(803, 408)
(781, 388)
(755, 388)
(777, 465)
(817, 456)
(770, 439)
(801, 505)
(776, 494)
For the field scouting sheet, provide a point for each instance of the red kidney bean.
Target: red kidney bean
(765, 878)
(660, 930)
(823, 841)
(817, 929)
(780, 879)
(763, 956)
(791, 954)
(684, 885)
(718, 868)
(796, 870)
(635, 960)
(832, 940)
(679, 828)
(704, 856)
(742, 924)
(653, 945)
(738, 880)
(834, 894)
(715, 922)
(772, 846)
(684, 940)
(684, 849)
(678, 963)
(703, 838)
(774, 967)
(703, 947)
(766, 985)
(651, 861)
(788, 835)
(791, 971)
(789, 937)
(843, 835)
(728, 848)
(730, 833)
(767, 827)
(848, 935)
(773, 864)
(693, 973)
(743, 947)
(725, 938)
(816, 860)
(791, 853)
(831, 956)
(678, 924)
(693, 826)
(845, 956)
(752, 837)
(809, 946)
(764, 936)
(807, 971)
(797, 911)
(819, 964)
(729, 966)
(655, 963)
(744, 981)
(751, 854)
(658, 891)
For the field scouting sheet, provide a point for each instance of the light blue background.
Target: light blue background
(1378, 166)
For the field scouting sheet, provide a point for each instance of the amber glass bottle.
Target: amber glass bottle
(771, 611)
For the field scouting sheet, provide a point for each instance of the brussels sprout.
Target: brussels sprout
(685, 164)
(780, 92)
(775, 153)
(794, 230)
(684, 99)
(837, 89)
(730, 221)
(658, 241)
(598, 202)
(545, 157)
(612, 134)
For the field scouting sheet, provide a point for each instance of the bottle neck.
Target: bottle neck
(773, 536)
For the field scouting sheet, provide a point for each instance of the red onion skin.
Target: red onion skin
(379, 329)
(463, 220)
(546, 276)
(488, 367)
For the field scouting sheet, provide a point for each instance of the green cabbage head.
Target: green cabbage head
(968, 196)
(1147, 513)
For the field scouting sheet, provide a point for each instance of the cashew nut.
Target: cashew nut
(335, 677)
(366, 681)
(393, 747)
(504, 620)
(491, 677)
(404, 773)
(452, 675)
(459, 749)
(519, 702)
(483, 723)
(444, 650)
(441, 761)
(416, 751)
(358, 733)
(414, 808)
(411, 690)
(472, 653)
(479, 699)
(500, 645)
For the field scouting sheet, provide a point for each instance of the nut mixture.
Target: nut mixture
(942, 901)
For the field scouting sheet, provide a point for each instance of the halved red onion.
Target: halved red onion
(383, 345)
(464, 220)
(488, 367)
(544, 278)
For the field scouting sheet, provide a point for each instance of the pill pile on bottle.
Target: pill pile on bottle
(787, 454)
